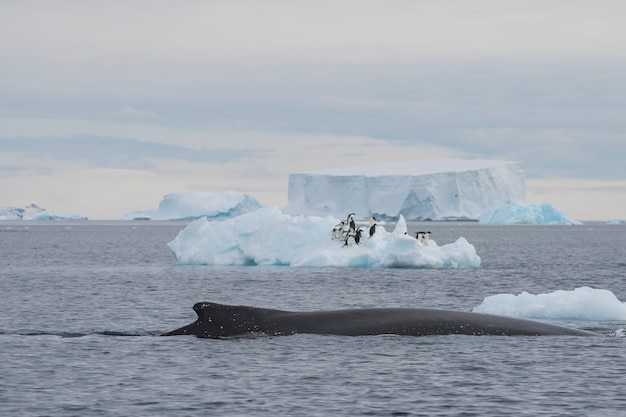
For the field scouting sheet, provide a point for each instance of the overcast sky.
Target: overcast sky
(107, 106)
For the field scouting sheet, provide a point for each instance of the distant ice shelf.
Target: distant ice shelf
(439, 189)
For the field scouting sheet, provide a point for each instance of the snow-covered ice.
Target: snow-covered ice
(50, 215)
(191, 205)
(438, 189)
(269, 237)
(581, 304)
(34, 212)
(517, 213)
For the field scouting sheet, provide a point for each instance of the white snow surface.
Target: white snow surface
(190, 205)
(438, 189)
(269, 237)
(34, 212)
(517, 213)
(581, 304)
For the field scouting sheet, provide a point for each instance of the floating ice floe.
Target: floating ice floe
(269, 237)
(581, 304)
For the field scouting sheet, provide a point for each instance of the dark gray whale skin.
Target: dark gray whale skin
(218, 321)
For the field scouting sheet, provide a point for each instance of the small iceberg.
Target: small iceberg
(192, 205)
(581, 304)
(517, 213)
(34, 212)
(267, 236)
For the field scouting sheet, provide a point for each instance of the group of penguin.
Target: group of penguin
(347, 231)
(422, 237)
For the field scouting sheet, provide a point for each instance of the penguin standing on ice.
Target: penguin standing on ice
(372, 226)
(357, 236)
(350, 222)
(337, 232)
(354, 237)
(422, 237)
(351, 238)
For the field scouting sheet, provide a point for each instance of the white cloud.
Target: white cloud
(317, 84)
(130, 112)
(366, 31)
(582, 200)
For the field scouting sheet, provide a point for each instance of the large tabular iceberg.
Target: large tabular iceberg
(516, 213)
(269, 237)
(445, 189)
(190, 205)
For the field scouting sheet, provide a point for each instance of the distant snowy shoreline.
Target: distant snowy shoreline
(34, 212)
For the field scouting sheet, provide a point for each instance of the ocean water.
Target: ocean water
(83, 304)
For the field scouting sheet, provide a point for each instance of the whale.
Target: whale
(219, 321)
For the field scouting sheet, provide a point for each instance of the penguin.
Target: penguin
(350, 238)
(420, 237)
(350, 221)
(372, 226)
(337, 232)
(425, 235)
(357, 236)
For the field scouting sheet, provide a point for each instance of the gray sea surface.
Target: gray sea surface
(83, 304)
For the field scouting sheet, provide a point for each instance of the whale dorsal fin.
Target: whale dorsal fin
(206, 311)
(221, 320)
